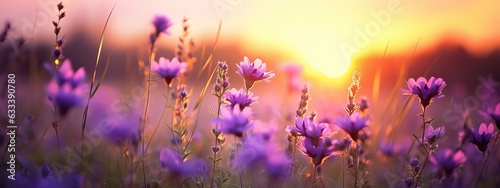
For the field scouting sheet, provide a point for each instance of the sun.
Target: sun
(326, 59)
(322, 54)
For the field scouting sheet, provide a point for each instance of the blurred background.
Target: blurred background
(387, 41)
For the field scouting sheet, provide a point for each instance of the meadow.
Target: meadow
(186, 117)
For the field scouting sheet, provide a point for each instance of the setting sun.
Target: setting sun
(320, 50)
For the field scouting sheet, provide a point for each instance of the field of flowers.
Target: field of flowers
(194, 121)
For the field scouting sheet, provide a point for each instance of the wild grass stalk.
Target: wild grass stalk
(93, 90)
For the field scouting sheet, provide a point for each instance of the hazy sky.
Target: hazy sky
(315, 31)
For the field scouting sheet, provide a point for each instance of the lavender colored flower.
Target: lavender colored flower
(277, 165)
(235, 121)
(353, 124)
(363, 105)
(447, 160)
(65, 96)
(253, 72)
(65, 74)
(491, 113)
(168, 69)
(432, 135)
(124, 132)
(259, 150)
(241, 97)
(425, 90)
(482, 136)
(318, 152)
(173, 163)
(387, 149)
(44, 177)
(161, 24)
(342, 145)
(309, 128)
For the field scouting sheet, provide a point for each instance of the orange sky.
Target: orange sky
(317, 32)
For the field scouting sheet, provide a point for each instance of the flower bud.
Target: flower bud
(215, 149)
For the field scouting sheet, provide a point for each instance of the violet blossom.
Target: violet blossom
(235, 121)
(241, 97)
(353, 124)
(253, 72)
(481, 137)
(168, 69)
(426, 90)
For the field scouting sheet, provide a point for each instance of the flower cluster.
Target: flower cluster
(260, 150)
(67, 87)
(353, 89)
(172, 162)
(57, 53)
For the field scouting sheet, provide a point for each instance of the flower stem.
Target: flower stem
(161, 117)
(423, 131)
(356, 162)
(239, 163)
(58, 143)
(428, 151)
(293, 156)
(486, 160)
(313, 177)
(216, 143)
(343, 172)
(143, 127)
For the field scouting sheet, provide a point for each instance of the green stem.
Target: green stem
(239, 163)
(216, 142)
(313, 177)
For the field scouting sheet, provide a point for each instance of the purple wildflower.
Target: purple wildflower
(65, 96)
(168, 69)
(244, 99)
(161, 24)
(341, 145)
(353, 124)
(363, 105)
(277, 165)
(173, 163)
(253, 72)
(235, 121)
(309, 128)
(387, 149)
(432, 135)
(44, 177)
(123, 132)
(260, 150)
(318, 152)
(65, 74)
(482, 136)
(491, 113)
(425, 90)
(448, 160)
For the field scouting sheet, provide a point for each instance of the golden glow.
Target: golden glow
(319, 50)
(324, 57)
